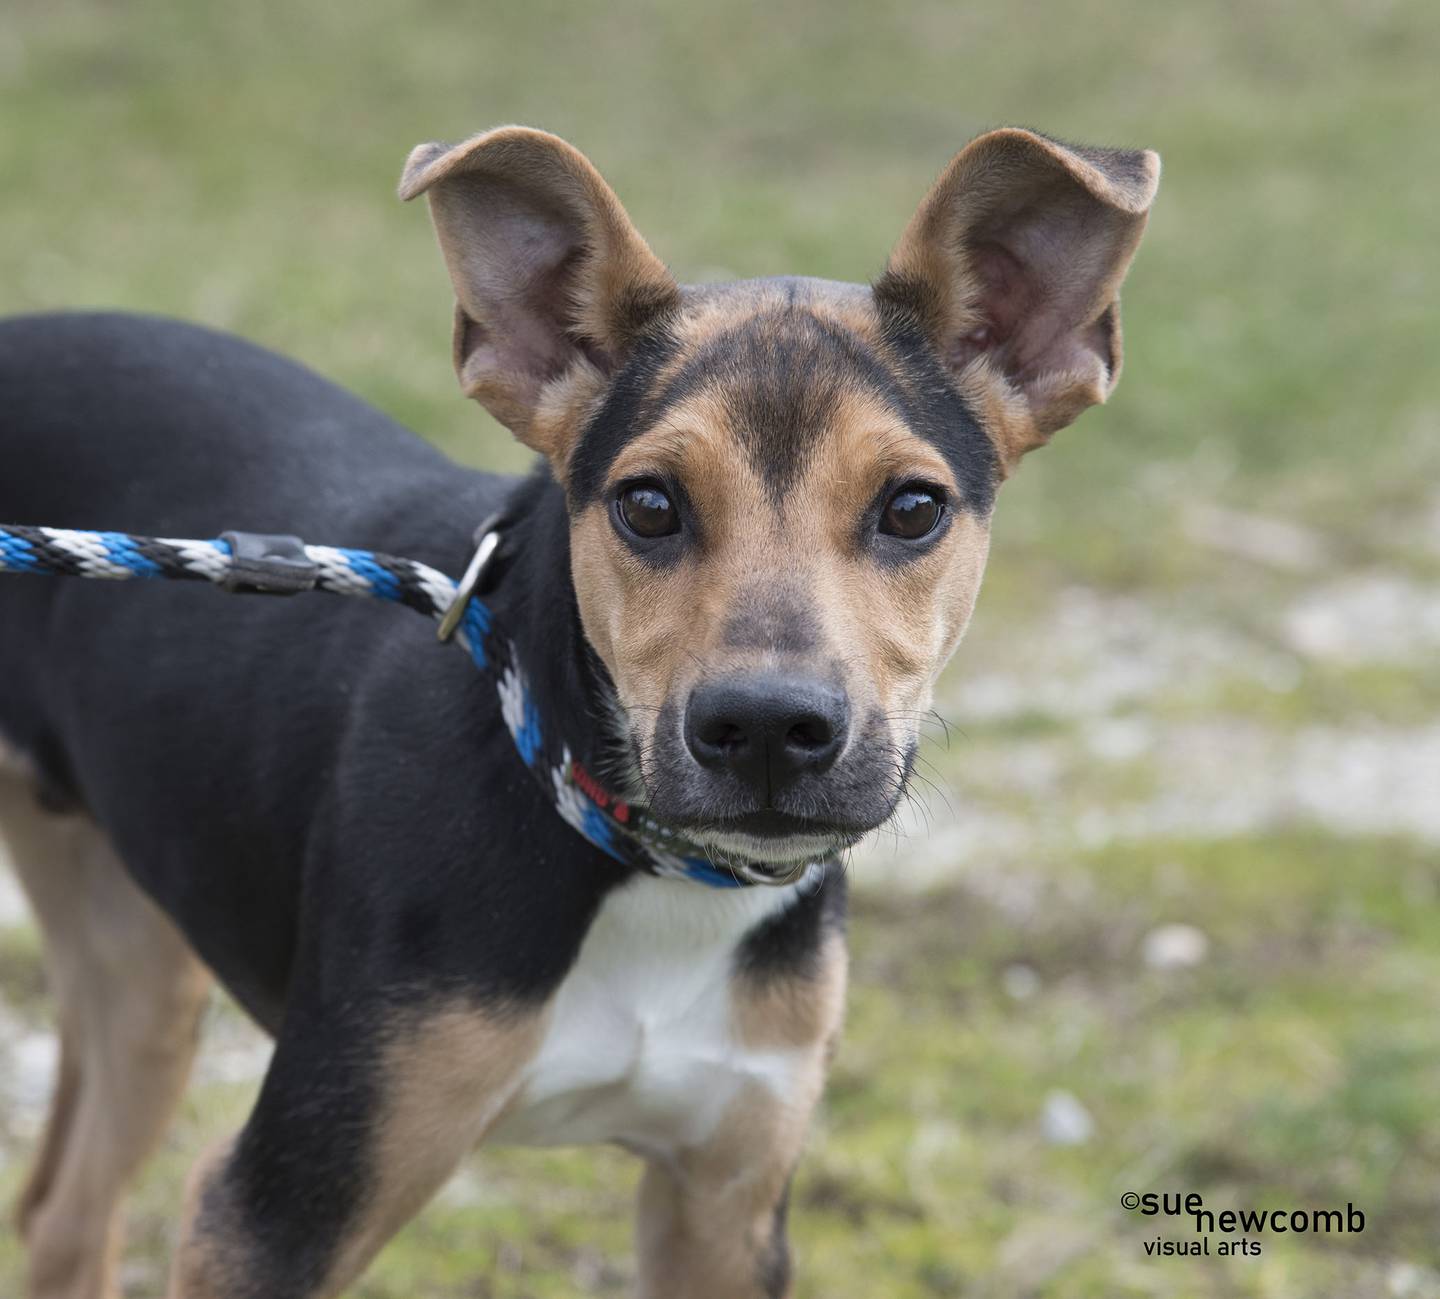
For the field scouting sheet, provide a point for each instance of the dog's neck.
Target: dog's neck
(533, 593)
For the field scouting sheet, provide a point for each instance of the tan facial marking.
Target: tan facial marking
(1001, 411)
(885, 629)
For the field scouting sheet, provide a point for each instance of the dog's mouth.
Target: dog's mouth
(759, 826)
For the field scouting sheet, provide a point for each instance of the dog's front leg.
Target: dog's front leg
(712, 1218)
(712, 1221)
(363, 1115)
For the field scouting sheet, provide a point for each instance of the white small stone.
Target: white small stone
(1120, 739)
(464, 1191)
(1277, 543)
(13, 909)
(242, 1060)
(1366, 617)
(1020, 981)
(1175, 947)
(1411, 1281)
(34, 1057)
(140, 1274)
(1065, 1121)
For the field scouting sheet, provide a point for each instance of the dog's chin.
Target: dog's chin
(772, 843)
(764, 850)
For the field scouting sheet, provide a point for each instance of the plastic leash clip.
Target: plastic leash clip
(262, 564)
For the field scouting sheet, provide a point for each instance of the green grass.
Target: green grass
(236, 164)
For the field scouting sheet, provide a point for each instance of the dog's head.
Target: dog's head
(780, 491)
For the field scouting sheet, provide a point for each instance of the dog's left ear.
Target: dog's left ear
(552, 282)
(1012, 265)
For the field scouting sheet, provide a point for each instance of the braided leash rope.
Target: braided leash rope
(623, 831)
(117, 556)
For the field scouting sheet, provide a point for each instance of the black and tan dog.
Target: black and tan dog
(756, 538)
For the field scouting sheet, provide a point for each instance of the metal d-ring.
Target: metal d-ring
(484, 551)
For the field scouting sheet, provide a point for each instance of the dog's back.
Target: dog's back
(151, 426)
(159, 424)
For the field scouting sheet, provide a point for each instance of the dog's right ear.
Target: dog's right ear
(552, 282)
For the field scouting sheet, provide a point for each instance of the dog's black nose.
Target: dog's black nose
(769, 730)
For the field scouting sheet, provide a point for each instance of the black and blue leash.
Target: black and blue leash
(277, 565)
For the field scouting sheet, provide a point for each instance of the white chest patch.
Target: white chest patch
(640, 1047)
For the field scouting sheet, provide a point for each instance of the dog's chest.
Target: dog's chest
(640, 1046)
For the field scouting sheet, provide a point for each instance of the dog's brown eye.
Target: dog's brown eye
(648, 512)
(911, 513)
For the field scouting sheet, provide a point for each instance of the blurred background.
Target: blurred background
(1168, 918)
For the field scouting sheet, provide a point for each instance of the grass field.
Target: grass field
(1171, 921)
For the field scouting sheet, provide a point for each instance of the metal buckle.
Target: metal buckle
(485, 549)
